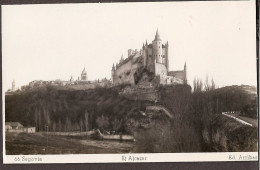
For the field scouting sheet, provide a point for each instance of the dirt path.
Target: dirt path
(247, 119)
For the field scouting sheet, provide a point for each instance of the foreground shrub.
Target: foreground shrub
(171, 136)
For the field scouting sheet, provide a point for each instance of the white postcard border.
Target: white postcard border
(134, 158)
(120, 158)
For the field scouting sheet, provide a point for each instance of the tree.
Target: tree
(102, 122)
(81, 124)
(59, 125)
(117, 124)
(54, 126)
(197, 85)
(68, 125)
(36, 118)
(86, 120)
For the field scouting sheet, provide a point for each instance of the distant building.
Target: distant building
(18, 127)
(15, 127)
(7, 128)
(154, 57)
(71, 79)
(84, 75)
(12, 90)
(30, 129)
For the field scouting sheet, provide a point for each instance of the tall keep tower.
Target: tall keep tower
(84, 75)
(155, 56)
(113, 72)
(157, 48)
(166, 55)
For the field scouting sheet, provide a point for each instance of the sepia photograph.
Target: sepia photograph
(130, 82)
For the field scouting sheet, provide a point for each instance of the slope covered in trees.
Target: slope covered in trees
(72, 110)
(192, 129)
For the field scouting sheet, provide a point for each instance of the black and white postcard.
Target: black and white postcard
(129, 82)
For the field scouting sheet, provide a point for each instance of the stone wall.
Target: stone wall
(177, 74)
(124, 74)
(133, 93)
(160, 69)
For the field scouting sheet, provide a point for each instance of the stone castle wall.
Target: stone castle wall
(178, 74)
(160, 69)
(149, 94)
(125, 73)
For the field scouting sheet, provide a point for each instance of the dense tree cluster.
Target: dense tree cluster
(72, 110)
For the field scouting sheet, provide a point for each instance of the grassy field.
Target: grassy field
(36, 143)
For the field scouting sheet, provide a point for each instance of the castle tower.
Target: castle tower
(185, 73)
(84, 75)
(144, 55)
(121, 59)
(113, 73)
(13, 85)
(167, 55)
(71, 79)
(157, 48)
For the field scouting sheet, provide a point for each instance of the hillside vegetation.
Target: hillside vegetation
(72, 110)
(197, 124)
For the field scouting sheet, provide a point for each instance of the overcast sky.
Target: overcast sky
(49, 42)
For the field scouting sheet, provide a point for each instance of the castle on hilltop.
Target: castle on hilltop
(153, 57)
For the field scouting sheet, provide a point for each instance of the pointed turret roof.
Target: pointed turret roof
(84, 71)
(71, 78)
(113, 67)
(122, 58)
(157, 36)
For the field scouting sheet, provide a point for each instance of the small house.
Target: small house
(30, 129)
(7, 128)
(15, 126)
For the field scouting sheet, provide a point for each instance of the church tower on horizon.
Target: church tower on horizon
(84, 75)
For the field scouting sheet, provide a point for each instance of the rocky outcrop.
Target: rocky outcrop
(145, 89)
